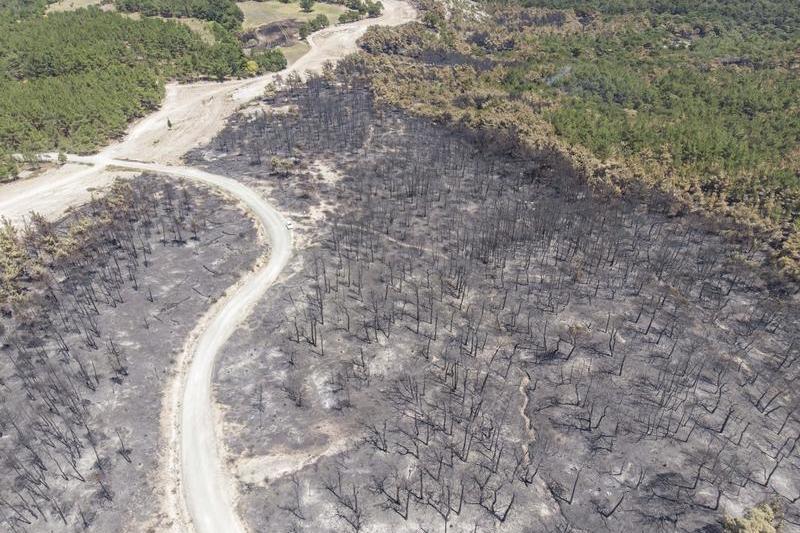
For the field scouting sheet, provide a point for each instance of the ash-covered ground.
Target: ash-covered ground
(91, 341)
(470, 339)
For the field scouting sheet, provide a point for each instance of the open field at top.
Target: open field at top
(71, 5)
(696, 99)
(260, 13)
(201, 27)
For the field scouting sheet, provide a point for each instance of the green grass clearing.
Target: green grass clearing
(295, 51)
(260, 13)
(200, 27)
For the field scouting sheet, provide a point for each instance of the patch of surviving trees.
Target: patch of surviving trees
(551, 345)
(59, 367)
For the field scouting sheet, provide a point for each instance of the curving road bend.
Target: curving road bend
(209, 496)
(197, 111)
(206, 490)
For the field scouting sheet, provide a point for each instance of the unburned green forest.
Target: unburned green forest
(696, 99)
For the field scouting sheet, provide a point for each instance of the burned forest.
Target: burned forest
(96, 307)
(472, 338)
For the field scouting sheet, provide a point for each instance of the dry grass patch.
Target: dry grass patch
(295, 51)
(200, 27)
(257, 14)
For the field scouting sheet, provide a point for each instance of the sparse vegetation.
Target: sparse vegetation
(294, 51)
(91, 317)
(71, 5)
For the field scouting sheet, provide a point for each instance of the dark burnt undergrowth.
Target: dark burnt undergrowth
(512, 349)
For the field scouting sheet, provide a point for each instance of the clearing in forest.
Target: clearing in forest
(259, 13)
(71, 5)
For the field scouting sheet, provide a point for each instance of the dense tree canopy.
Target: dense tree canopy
(72, 80)
(90, 39)
(73, 112)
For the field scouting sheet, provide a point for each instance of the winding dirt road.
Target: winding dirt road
(197, 112)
